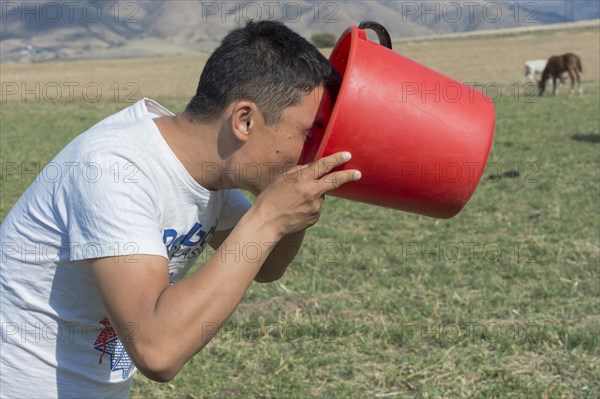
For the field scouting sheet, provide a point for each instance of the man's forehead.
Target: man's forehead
(314, 108)
(309, 102)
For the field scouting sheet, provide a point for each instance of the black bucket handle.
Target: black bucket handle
(382, 33)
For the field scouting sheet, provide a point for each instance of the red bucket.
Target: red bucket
(420, 139)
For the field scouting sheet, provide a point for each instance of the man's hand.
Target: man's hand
(293, 201)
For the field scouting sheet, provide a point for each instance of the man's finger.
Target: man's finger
(326, 164)
(337, 179)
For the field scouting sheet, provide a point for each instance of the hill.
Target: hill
(45, 30)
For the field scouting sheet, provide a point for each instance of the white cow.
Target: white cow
(532, 67)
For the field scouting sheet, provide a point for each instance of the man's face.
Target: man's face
(278, 147)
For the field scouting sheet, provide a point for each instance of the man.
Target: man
(142, 192)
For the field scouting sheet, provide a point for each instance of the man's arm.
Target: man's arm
(278, 260)
(162, 325)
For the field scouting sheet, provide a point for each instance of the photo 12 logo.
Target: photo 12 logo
(471, 332)
(455, 92)
(73, 12)
(54, 172)
(457, 172)
(68, 92)
(452, 252)
(469, 11)
(285, 11)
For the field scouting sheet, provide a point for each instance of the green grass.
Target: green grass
(501, 301)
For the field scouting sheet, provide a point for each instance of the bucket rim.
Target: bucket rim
(353, 32)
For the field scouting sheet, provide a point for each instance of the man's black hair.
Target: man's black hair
(264, 62)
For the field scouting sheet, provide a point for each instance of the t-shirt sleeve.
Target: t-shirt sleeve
(235, 205)
(110, 208)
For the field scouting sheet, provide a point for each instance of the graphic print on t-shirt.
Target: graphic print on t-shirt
(190, 245)
(109, 343)
(187, 246)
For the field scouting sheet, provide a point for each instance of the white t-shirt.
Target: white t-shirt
(115, 190)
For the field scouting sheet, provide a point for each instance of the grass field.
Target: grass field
(501, 301)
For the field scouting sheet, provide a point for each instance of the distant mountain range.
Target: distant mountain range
(43, 29)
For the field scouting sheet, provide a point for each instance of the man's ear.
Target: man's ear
(243, 119)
